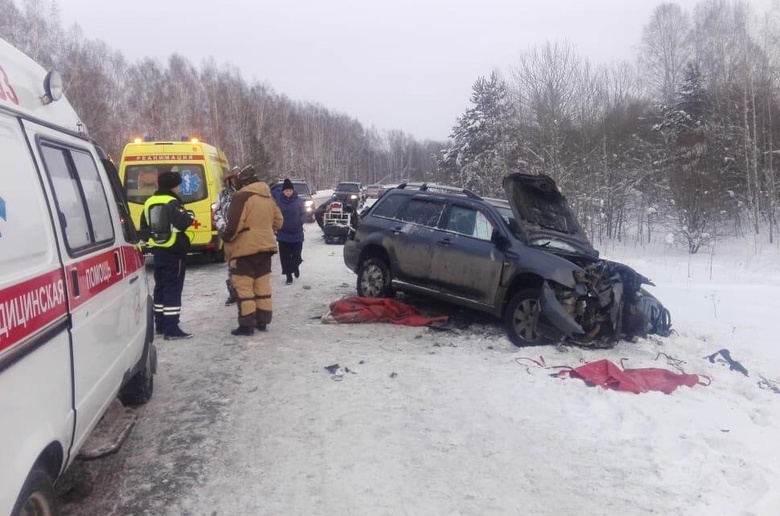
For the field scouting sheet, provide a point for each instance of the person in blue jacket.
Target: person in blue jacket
(290, 237)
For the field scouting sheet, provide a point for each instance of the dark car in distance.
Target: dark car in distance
(348, 192)
(525, 260)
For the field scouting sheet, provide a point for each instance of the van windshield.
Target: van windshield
(141, 181)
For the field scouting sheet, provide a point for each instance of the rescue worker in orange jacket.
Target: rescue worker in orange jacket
(253, 219)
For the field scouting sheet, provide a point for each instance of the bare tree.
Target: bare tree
(545, 79)
(665, 49)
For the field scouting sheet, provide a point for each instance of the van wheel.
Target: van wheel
(522, 319)
(374, 279)
(37, 496)
(140, 388)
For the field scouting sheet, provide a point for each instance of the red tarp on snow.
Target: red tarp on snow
(367, 309)
(610, 376)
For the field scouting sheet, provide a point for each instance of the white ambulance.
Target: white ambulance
(75, 314)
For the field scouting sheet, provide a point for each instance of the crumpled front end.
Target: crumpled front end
(607, 303)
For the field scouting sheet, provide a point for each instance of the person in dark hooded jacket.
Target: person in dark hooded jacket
(290, 237)
(165, 220)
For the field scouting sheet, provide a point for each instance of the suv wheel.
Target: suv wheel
(373, 279)
(522, 318)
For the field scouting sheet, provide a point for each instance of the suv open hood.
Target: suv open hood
(542, 211)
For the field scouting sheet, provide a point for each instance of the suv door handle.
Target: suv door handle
(445, 241)
(396, 230)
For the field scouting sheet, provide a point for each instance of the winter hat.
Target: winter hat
(230, 174)
(287, 185)
(246, 176)
(168, 180)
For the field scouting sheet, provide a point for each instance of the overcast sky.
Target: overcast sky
(400, 64)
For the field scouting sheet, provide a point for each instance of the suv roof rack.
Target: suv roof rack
(425, 187)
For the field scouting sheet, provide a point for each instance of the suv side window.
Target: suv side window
(389, 206)
(468, 221)
(423, 212)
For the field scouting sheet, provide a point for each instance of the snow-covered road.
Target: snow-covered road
(428, 422)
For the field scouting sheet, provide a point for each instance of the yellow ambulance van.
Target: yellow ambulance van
(201, 166)
(76, 326)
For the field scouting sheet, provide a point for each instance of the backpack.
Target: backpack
(159, 223)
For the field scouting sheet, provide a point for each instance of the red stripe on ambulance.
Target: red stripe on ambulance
(98, 273)
(30, 306)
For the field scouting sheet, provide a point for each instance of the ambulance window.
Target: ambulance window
(97, 204)
(80, 198)
(72, 212)
(141, 181)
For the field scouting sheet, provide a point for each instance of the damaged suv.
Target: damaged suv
(525, 260)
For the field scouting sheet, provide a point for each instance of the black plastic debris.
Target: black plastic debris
(770, 385)
(733, 364)
(332, 368)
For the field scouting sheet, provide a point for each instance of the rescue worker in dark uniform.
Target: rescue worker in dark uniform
(253, 219)
(166, 220)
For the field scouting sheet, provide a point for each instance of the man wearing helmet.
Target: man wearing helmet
(252, 221)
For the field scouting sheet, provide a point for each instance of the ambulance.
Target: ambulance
(76, 325)
(201, 166)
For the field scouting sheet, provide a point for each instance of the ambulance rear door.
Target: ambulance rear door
(107, 291)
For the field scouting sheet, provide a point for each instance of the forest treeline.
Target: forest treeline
(678, 144)
(120, 100)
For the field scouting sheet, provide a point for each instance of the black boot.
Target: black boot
(243, 331)
(289, 280)
(177, 334)
(261, 327)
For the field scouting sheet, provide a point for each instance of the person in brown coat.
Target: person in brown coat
(250, 242)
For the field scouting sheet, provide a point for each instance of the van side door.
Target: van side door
(107, 292)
